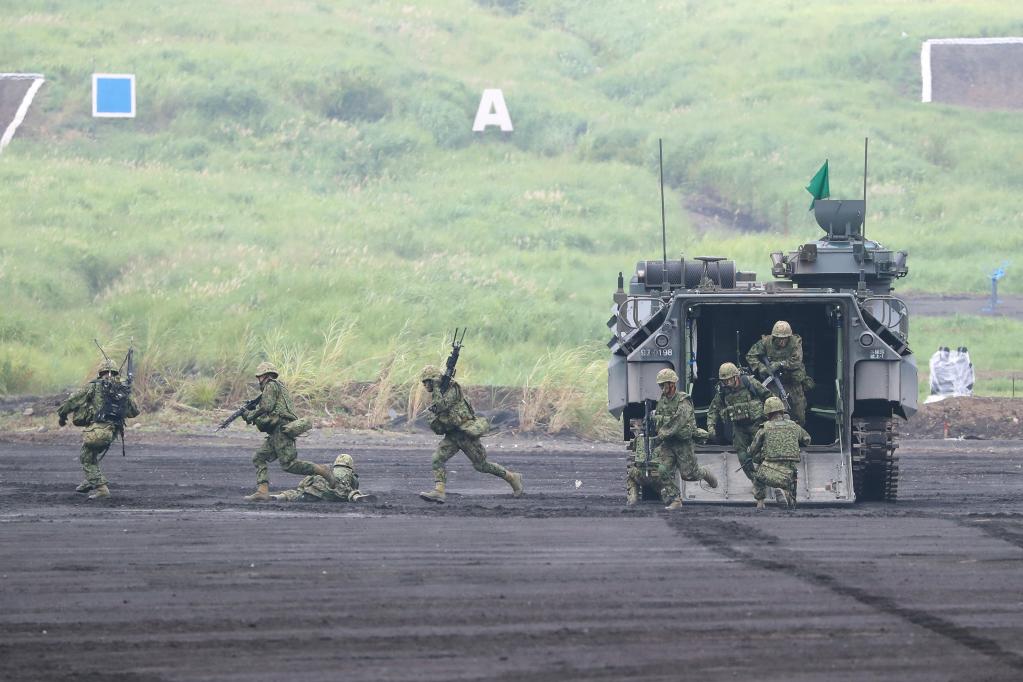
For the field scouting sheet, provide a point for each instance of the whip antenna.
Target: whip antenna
(664, 231)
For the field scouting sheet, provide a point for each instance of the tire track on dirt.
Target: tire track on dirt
(739, 542)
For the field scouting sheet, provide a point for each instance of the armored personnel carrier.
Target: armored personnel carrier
(836, 292)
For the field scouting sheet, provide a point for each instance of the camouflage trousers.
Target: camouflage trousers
(96, 439)
(473, 449)
(775, 475)
(681, 459)
(636, 479)
(282, 448)
(797, 402)
(742, 438)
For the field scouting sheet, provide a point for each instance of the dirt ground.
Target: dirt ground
(176, 578)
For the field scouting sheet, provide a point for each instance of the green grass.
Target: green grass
(300, 168)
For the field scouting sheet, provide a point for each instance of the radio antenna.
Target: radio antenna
(664, 229)
(101, 350)
(863, 230)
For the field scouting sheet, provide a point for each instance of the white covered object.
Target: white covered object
(951, 373)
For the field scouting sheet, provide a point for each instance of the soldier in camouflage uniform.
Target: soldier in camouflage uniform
(86, 407)
(638, 473)
(738, 401)
(784, 353)
(272, 415)
(676, 429)
(775, 449)
(317, 488)
(451, 416)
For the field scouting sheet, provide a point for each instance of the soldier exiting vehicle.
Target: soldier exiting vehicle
(775, 448)
(451, 416)
(274, 416)
(676, 429)
(738, 401)
(345, 487)
(781, 353)
(101, 406)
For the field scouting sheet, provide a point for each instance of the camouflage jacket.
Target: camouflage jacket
(273, 410)
(778, 440)
(86, 404)
(318, 487)
(741, 405)
(449, 411)
(675, 421)
(790, 358)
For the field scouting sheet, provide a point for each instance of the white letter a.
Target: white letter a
(492, 112)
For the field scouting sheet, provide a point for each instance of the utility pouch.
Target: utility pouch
(294, 429)
(476, 427)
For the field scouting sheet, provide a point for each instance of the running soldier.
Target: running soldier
(452, 416)
(96, 406)
(676, 429)
(317, 488)
(775, 448)
(782, 353)
(274, 416)
(739, 401)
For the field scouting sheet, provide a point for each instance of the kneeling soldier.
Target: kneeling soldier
(738, 401)
(451, 416)
(316, 488)
(96, 406)
(675, 421)
(274, 416)
(775, 448)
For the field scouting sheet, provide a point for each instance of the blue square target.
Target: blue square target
(113, 95)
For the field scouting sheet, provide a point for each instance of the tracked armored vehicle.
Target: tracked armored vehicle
(836, 292)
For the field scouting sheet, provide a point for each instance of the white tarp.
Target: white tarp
(951, 373)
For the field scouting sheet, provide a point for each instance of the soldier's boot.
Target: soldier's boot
(362, 497)
(710, 478)
(262, 493)
(761, 505)
(325, 471)
(435, 495)
(675, 505)
(631, 496)
(780, 498)
(84, 487)
(99, 492)
(515, 481)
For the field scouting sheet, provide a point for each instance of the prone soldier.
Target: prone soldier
(101, 406)
(676, 429)
(273, 415)
(775, 448)
(316, 488)
(738, 401)
(781, 353)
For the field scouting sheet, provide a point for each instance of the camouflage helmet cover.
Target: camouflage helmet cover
(107, 366)
(667, 376)
(781, 330)
(430, 373)
(344, 460)
(773, 404)
(266, 368)
(728, 370)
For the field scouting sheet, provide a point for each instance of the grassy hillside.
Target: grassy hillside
(301, 182)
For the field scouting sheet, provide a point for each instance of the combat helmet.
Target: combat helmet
(727, 371)
(344, 460)
(667, 376)
(430, 373)
(781, 330)
(107, 366)
(773, 405)
(267, 368)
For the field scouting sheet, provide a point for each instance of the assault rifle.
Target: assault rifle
(771, 376)
(248, 405)
(648, 433)
(117, 396)
(449, 369)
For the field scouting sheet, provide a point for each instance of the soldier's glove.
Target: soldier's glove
(701, 436)
(777, 367)
(711, 435)
(63, 420)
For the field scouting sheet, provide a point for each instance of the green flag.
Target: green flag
(818, 186)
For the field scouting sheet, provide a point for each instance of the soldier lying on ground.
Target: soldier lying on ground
(316, 488)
